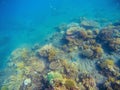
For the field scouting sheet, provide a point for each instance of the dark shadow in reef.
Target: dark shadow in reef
(117, 23)
(64, 41)
(104, 46)
(118, 63)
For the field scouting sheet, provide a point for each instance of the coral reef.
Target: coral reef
(49, 52)
(14, 82)
(111, 83)
(89, 83)
(55, 65)
(76, 56)
(89, 24)
(85, 40)
(54, 77)
(110, 37)
(109, 68)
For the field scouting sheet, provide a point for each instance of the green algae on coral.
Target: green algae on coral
(51, 76)
(4, 88)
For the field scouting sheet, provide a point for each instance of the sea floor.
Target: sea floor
(83, 54)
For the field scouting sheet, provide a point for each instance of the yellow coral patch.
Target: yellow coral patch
(20, 65)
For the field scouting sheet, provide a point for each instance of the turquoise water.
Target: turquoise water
(24, 23)
(28, 21)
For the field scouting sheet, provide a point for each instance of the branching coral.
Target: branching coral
(87, 82)
(108, 67)
(110, 38)
(107, 64)
(14, 82)
(70, 69)
(70, 84)
(25, 64)
(98, 52)
(36, 64)
(20, 53)
(93, 52)
(112, 83)
(57, 81)
(76, 33)
(49, 52)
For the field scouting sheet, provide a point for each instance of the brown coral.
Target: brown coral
(89, 83)
(89, 24)
(70, 84)
(108, 68)
(55, 65)
(98, 52)
(48, 51)
(109, 36)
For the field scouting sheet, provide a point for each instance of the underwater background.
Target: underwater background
(36, 23)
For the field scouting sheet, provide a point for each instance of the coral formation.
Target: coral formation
(89, 83)
(54, 77)
(49, 52)
(89, 24)
(55, 65)
(108, 67)
(14, 82)
(71, 84)
(110, 38)
(111, 83)
(69, 61)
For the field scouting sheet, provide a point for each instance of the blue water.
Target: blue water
(23, 23)
(26, 22)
